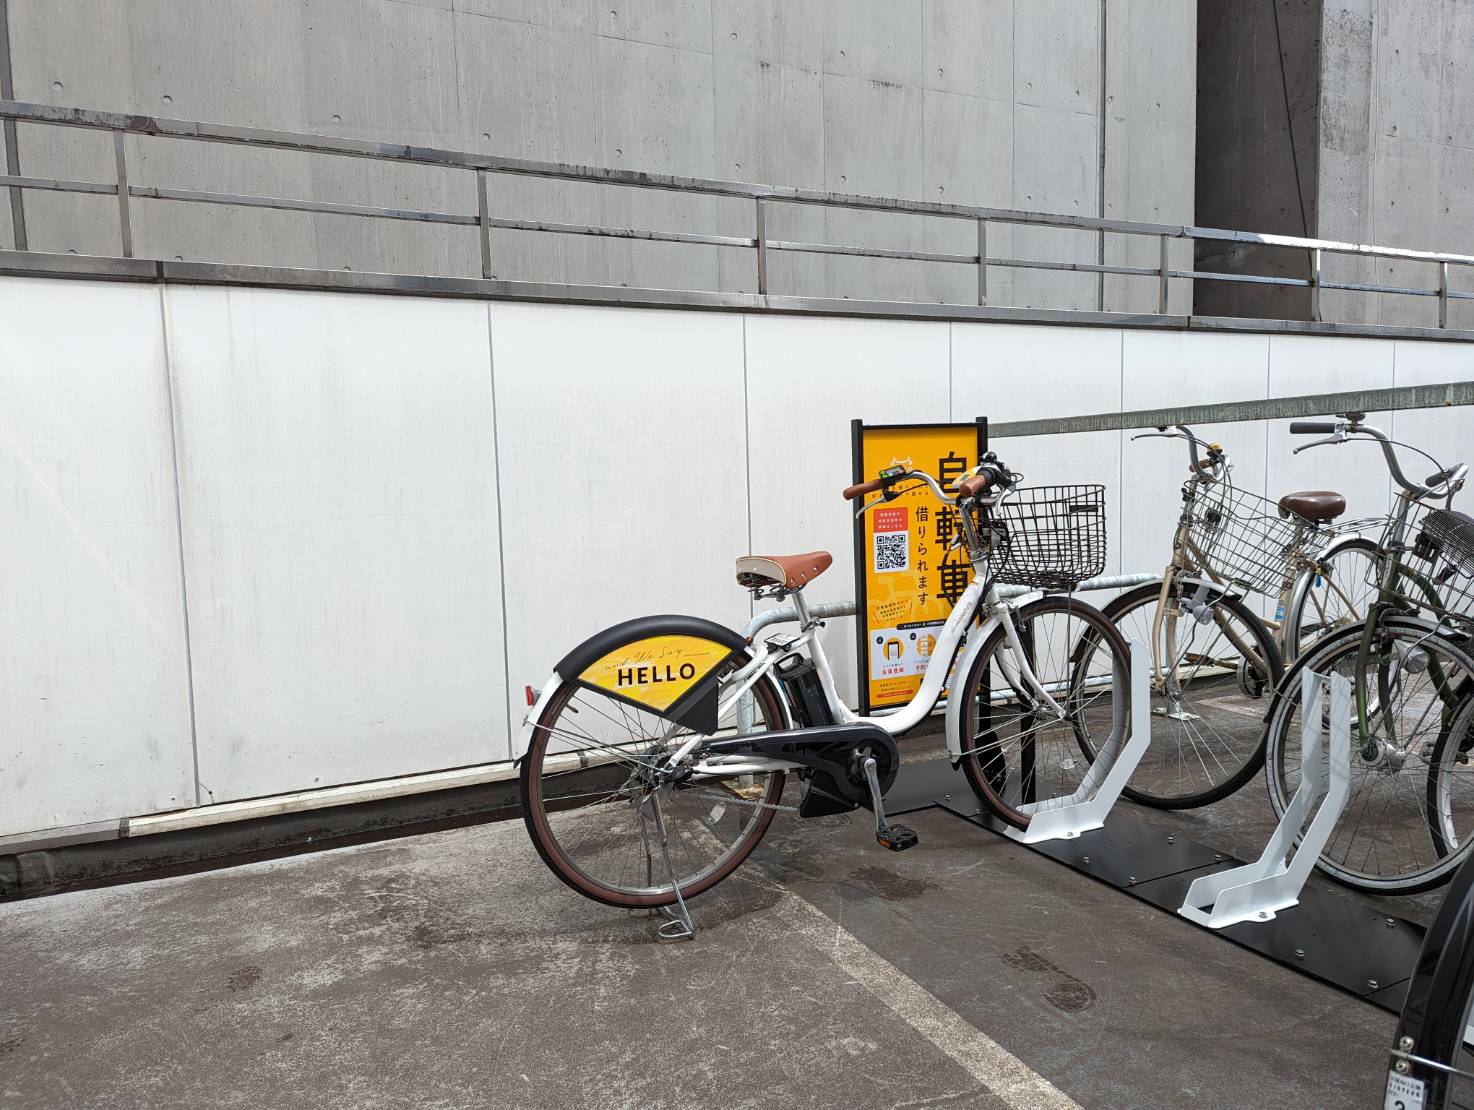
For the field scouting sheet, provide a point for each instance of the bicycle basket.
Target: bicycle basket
(1437, 559)
(1446, 540)
(1243, 539)
(1047, 537)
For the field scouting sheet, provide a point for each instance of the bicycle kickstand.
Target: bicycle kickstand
(677, 924)
(895, 837)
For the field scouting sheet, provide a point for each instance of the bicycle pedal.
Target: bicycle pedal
(897, 838)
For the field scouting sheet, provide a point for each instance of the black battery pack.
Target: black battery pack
(805, 692)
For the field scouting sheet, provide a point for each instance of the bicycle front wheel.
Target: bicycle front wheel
(606, 824)
(1018, 752)
(1209, 681)
(1410, 812)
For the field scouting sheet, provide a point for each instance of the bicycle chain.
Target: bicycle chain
(732, 799)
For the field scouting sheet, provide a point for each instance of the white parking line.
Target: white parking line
(985, 1059)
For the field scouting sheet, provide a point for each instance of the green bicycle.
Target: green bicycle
(1409, 820)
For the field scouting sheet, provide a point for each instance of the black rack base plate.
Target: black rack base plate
(1328, 936)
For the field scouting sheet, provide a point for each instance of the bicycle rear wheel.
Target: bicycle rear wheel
(603, 822)
(1339, 594)
(1433, 1052)
(1209, 684)
(1409, 818)
(1016, 752)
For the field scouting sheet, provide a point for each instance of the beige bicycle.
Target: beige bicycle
(1215, 655)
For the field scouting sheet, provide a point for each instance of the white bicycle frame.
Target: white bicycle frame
(952, 639)
(955, 646)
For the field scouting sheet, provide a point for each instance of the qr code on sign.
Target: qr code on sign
(892, 551)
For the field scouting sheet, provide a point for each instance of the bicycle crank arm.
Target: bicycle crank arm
(895, 837)
(835, 756)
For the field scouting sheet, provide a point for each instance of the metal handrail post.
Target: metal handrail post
(483, 217)
(761, 235)
(125, 219)
(1164, 272)
(982, 262)
(8, 135)
(1315, 264)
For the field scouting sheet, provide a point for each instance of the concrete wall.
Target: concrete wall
(263, 541)
(1372, 102)
(1258, 100)
(994, 102)
(1397, 146)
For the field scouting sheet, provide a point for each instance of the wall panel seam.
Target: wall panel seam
(194, 741)
(501, 543)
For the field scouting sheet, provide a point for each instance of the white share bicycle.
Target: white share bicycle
(639, 789)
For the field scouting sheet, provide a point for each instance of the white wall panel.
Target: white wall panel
(94, 706)
(345, 463)
(1014, 372)
(1302, 364)
(339, 501)
(623, 460)
(1178, 368)
(806, 380)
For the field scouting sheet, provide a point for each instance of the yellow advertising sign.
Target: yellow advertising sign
(907, 573)
(656, 671)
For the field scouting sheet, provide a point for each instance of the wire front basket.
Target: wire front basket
(1437, 559)
(1243, 539)
(1046, 537)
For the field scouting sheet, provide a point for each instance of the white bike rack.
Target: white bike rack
(1257, 891)
(1088, 807)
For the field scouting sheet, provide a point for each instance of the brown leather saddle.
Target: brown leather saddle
(792, 572)
(1318, 505)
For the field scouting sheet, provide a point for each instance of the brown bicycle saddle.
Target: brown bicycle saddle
(793, 572)
(1313, 504)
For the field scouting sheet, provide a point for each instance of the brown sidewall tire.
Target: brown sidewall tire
(971, 766)
(547, 846)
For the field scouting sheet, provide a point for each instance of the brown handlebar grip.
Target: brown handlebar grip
(971, 487)
(861, 490)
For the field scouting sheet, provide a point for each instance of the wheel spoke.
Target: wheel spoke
(596, 773)
(1408, 817)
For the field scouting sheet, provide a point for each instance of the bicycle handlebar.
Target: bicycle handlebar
(1312, 427)
(1216, 466)
(971, 487)
(1439, 486)
(989, 474)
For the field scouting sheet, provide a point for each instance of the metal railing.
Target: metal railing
(1389, 399)
(762, 197)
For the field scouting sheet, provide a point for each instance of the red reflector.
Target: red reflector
(531, 696)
